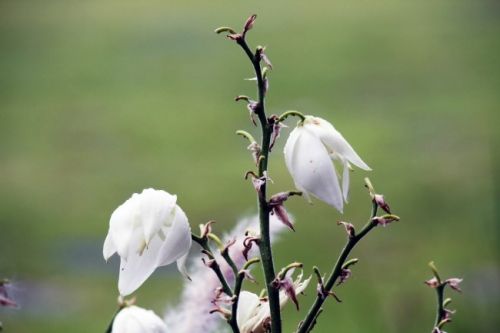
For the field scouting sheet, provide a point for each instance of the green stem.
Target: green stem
(237, 289)
(440, 313)
(203, 242)
(215, 267)
(264, 210)
(311, 317)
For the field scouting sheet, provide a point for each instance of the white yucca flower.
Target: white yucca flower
(134, 319)
(191, 314)
(309, 152)
(149, 230)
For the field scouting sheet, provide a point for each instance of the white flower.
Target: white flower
(134, 319)
(148, 230)
(253, 312)
(309, 152)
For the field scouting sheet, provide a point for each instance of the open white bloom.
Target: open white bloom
(254, 312)
(147, 231)
(309, 152)
(134, 319)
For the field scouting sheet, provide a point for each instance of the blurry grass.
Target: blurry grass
(99, 99)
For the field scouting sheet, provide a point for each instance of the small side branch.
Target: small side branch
(312, 316)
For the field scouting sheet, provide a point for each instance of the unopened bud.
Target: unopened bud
(454, 284)
(433, 283)
(349, 228)
(249, 23)
(380, 201)
(385, 219)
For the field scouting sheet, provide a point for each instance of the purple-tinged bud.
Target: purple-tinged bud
(276, 126)
(257, 182)
(276, 204)
(249, 24)
(279, 198)
(282, 215)
(247, 244)
(252, 108)
(287, 285)
(248, 275)
(263, 57)
(380, 201)
(322, 293)
(349, 227)
(385, 219)
(255, 149)
(206, 228)
(454, 284)
(345, 273)
(448, 313)
(433, 283)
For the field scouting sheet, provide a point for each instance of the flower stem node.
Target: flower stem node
(349, 228)
(321, 290)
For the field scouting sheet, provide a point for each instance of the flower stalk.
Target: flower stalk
(310, 320)
(264, 209)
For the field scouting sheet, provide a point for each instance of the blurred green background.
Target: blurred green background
(102, 98)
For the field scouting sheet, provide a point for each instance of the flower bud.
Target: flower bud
(249, 24)
(454, 284)
(134, 319)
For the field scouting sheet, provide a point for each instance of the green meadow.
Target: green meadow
(102, 98)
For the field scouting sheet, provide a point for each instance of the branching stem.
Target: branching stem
(311, 317)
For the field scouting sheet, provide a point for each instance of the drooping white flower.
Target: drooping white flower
(253, 312)
(147, 231)
(134, 319)
(309, 152)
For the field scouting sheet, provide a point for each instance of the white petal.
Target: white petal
(155, 210)
(181, 265)
(109, 247)
(135, 269)
(123, 224)
(345, 180)
(334, 141)
(311, 168)
(178, 240)
(248, 304)
(134, 319)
